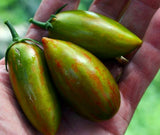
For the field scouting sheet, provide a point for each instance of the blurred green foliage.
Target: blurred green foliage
(17, 11)
(84, 4)
(146, 118)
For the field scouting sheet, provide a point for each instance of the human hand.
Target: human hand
(137, 75)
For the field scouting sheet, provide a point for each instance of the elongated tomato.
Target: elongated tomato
(33, 88)
(82, 80)
(98, 34)
(32, 84)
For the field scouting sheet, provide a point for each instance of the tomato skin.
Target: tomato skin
(33, 88)
(100, 35)
(82, 80)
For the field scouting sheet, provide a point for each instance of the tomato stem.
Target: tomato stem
(15, 35)
(45, 25)
(60, 9)
(16, 39)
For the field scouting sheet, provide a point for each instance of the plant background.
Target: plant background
(146, 120)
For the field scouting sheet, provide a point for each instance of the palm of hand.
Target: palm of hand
(135, 79)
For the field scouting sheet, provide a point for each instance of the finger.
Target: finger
(138, 15)
(144, 65)
(110, 8)
(2, 61)
(46, 8)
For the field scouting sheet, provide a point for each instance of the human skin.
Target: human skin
(142, 17)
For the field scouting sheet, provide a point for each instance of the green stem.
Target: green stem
(45, 25)
(15, 35)
(15, 38)
(38, 23)
(60, 9)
